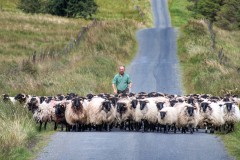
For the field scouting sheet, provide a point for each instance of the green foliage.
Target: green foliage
(229, 16)
(30, 6)
(68, 8)
(81, 8)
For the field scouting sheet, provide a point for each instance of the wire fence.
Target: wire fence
(43, 55)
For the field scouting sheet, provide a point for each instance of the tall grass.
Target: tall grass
(17, 128)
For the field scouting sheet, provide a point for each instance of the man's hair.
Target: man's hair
(121, 66)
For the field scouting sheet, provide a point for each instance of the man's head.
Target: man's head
(121, 70)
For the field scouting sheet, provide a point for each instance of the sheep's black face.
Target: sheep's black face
(49, 99)
(131, 94)
(190, 101)
(60, 97)
(89, 96)
(77, 103)
(106, 106)
(173, 102)
(204, 106)
(21, 98)
(59, 109)
(142, 104)
(42, 99)
(5, 97)
(134, 103)
(121, 107)
(162, 114)
(190, 111)
(229, 106)
(114, 100)
(32, 105)
(160, 105)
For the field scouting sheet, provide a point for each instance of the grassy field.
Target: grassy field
(202, 69)
(89, 67)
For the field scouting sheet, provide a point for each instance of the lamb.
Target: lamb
(101, 112)
(231, 115)
(168, 116)
(75, 113)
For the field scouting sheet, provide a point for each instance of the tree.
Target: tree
(57, 7)
(229, 16)
(208, 10)
(81, 8)
(30, 6)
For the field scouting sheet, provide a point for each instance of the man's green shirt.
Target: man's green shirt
(121, 81)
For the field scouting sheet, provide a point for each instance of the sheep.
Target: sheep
(23, 99)
(168, 116)
(60, 116)
(188, 116)
(124, 113)
(101, 113)
(44, 112)
(75, 113)
(149, 110)
(211, 115)
(231, 115)
(7, 98)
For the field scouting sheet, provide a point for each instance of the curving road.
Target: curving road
(155, 68)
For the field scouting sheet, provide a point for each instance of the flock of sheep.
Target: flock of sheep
(134, 112)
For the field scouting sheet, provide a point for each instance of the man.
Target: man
(121, 82)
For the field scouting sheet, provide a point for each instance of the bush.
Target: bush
(30, 6)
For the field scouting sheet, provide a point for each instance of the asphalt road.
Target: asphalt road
(155, 68)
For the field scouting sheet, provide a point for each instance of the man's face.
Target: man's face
(121, 70)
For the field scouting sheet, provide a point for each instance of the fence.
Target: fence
(38, 57)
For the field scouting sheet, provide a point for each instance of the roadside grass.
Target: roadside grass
(203, 71)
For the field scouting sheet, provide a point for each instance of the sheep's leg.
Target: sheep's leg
(191, 129)
(40, 126)
(212, 129)
(206, 129)
(61, 126)
(166, 128)
(55, 126)
(143, 124)
(45, 125)
(174, 128)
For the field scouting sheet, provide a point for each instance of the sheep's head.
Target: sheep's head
(113, 100)
(121, 107)
(42, 99)
(106, 106)
(89, 96)
(229, 106)
(60, 97)
(204, 106)
(173, 102)
(60, 109)
(143, 104)
(190, 110)
(5, 97)
(159, 105)
(163, 114)
(21, 98)
(134, 103)
(77, 103)
(33, 104)
(190, 100)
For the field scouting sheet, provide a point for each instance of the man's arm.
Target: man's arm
(114, 88)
